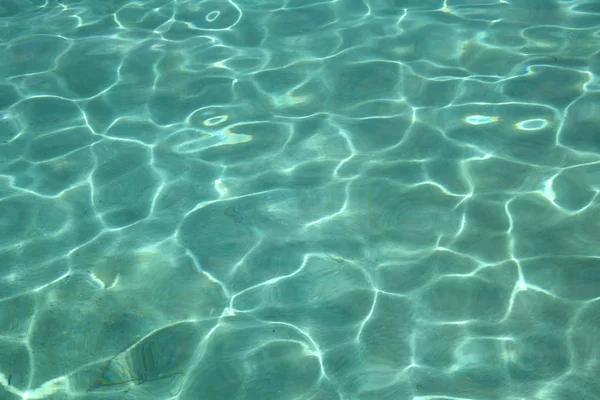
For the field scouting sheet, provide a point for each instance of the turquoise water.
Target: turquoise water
(300, 200)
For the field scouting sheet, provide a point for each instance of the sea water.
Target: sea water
(300, 199)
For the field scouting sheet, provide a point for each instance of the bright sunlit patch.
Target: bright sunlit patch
(229, 137)
(219, 119)
(208, 139)
(12, 277)
(212, 16)
(47, 389)
(221, 188)
(549, 190)
(532, 124)
(292, 100)
(104, 279)
(99, 281)
(480, 119)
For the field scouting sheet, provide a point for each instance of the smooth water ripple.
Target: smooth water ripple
(299, 200)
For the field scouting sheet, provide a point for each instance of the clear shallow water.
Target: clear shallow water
(299, 200)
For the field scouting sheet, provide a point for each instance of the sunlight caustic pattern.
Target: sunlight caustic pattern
(299, 200)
